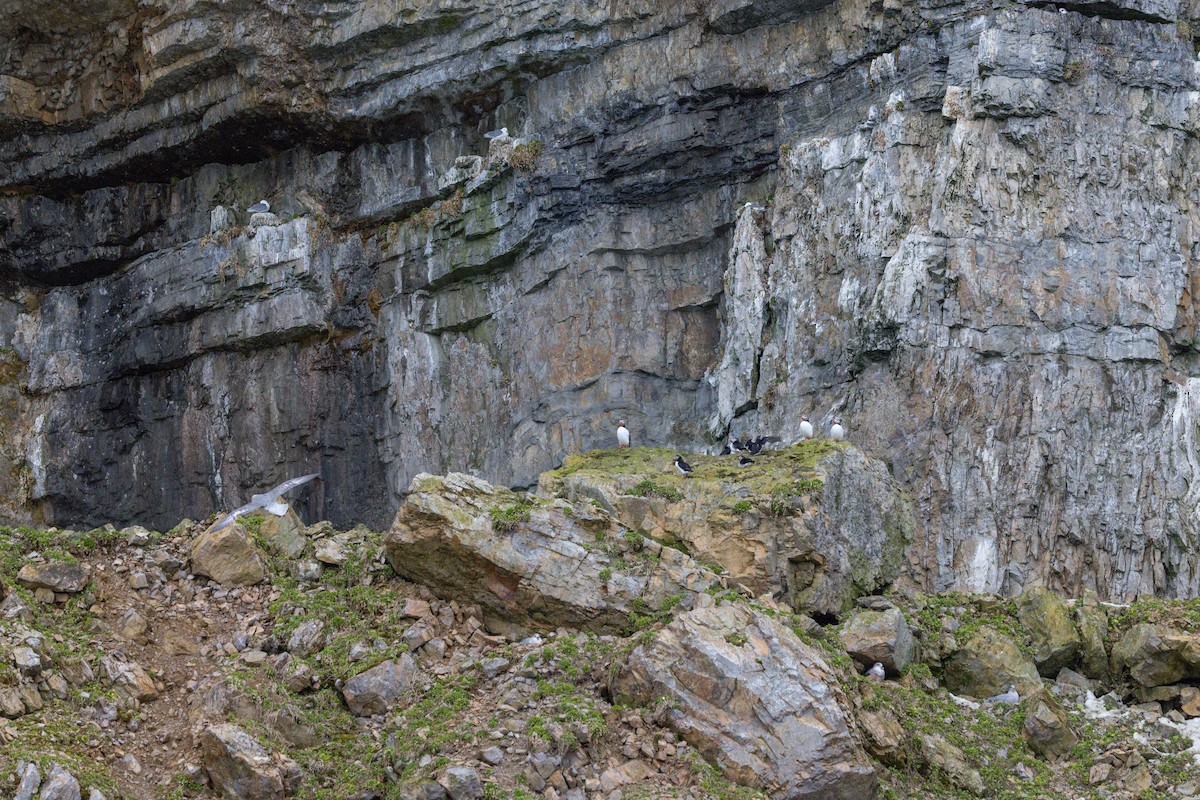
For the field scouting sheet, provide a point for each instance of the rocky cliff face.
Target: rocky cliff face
(977, 248)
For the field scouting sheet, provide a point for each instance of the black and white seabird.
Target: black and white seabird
(268, 501)
(876, 672)
(261, 207)
(755, 446)
(622, 434)
(684, 468)
(743, 461)
(737, 445)
(496, 134)
(836, 431)
(726, 450)
(806, 428)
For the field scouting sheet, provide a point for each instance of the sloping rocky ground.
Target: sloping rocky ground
(494, 644)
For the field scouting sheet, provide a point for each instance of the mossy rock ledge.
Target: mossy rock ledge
(818, 523)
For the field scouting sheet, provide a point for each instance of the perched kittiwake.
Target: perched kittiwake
(622, 434)
(261, 207)
(876, 672)
(268, 501)
(496, 134)
(1008, 698)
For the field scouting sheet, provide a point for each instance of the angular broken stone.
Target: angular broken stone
(446, 536)
(880, 637)
(54, 576)
(375, 690)
(240, 768)
(228, 557)
(754, 699)
(308, 638)
(332, 552)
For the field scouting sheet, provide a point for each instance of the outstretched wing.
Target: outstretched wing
(288, 485)
(232, 516)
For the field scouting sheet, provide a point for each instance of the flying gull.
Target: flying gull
(269, 501)
(261, 207)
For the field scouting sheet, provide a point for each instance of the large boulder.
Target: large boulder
(1047, 727)
(228, 557)
(57, 576)
(240, 768)
(60, 785)
(377, 689)
(988, 664)
(1093, 630)
(754, 699)
(818, 523)
(1157, 656)
(939, 753)
(284, 535)
(880, 636)
(538, 563)
(1052, 636)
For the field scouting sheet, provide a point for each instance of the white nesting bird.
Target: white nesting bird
(261, 207)
(876, 672)
(622, 434)
(1008, 698)
(806, 428)
(836, 431)
(268, 501)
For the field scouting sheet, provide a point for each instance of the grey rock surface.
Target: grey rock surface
(534, 562)
(377, 689)
(977, 250)
(240, 768)
(752, 699)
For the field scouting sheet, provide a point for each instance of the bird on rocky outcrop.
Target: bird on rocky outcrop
(755, 446)
(726, 450)
(744, 462)
(261, 207)
(268, 501)
(737, 445)
(876, 672)
(1010, 697)
(684, 468)
(836, 431)
(806, 428)
(622, 434)
(496, 134)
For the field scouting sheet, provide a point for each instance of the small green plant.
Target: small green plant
(605, 574)
(507, 518)
(648, 488)
(524, 156)
(742, 506)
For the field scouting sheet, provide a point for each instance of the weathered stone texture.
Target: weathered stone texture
(978, 250)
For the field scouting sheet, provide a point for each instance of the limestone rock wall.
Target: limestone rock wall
(977, 249)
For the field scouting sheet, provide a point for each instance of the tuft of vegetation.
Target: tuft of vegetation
(648, 488)
(507, 518)
(525, 156)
